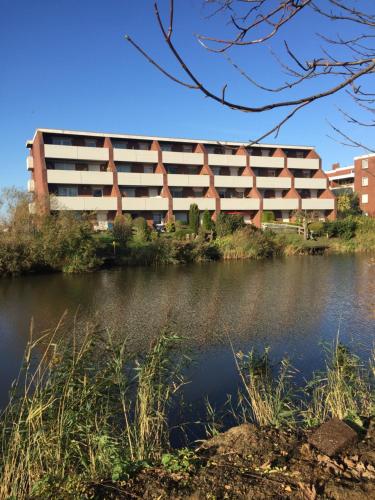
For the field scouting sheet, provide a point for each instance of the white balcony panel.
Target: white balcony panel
(239, 204)
(135, 155)
(318, 204)
(76, 153)
(305, 163)
(89, 203)
(183, 158)
(79, 177)
(232, 181)
(29, 162)
(134, 179)
(266, 161)
(184, 203)
(280, 204)
(188, 180)
(274, 182)
(141, 204)
(31, 185)
(301, 183)
(227, 160)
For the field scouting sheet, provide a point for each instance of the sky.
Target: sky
(65, 64)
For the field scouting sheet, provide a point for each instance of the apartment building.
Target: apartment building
(358, 178)
(159, 177)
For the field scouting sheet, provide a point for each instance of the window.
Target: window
(216, 170)
(181, 216)
(65, 166)
(186, 148)
(364, 181)
(97, 192)
(228, 151)
(198, 192)
(365, 198)
(306, 173)
(148, 169)
(271, 173)
(365, 163)
(128, 192)
(299, 154)
(172, 169)
(223, 193)
(233, 171)
(152, 192)
(166, 147)
(176, 192)
(120, 145)
(67, 191)
(157, 217)
(62, 141)
(123, 168)
(240, 193)
(265, 152)
(93, 167)
(90, 142)
(143, 146)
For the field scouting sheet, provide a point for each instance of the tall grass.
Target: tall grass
(85, 412)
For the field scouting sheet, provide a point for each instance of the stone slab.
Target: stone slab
(333, 436)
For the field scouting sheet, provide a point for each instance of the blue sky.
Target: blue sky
(65, 64)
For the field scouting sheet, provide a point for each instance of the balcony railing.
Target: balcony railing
(79, 177)
(76, 153)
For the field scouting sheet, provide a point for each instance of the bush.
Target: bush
(342, 228)
(194, 218)
(248, 243)
(317, 227)
(170, 226)
(123, 228)
(207, 222)
(228, 223)
(141, 230)
(268, 216)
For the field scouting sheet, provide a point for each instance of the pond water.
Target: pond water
(290, 304)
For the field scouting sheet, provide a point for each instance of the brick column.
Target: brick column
(115, 191)
(160, 169)
(41, 196)
(292, 193)
(206, 170)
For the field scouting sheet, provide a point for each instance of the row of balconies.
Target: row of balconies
(180, 180)
(133, 155)
(161, 204)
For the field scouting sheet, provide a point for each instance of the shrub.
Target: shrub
(317, 227)
(342, 228)
(170, 226)
(141, 230)
(268, 216)
(194, 218)
(228, 223)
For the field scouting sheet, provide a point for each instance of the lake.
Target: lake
(291, 304)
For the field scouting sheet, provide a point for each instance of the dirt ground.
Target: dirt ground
(251, 463)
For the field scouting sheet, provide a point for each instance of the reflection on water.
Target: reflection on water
(290, 304)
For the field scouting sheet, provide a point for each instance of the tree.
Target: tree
(207, 223)
(348, 204)
(194, 218)
(141, 230)
(341, 63)
(123, 228)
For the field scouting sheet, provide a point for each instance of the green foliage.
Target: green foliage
(207, 222)
(268, 216)
(123, 228)
(183, 460)
(194, 218)
(228, 223)
(247, 243)
(317, 227)
(141, 230)
(342, 228)
(170, 226)
(348, 204)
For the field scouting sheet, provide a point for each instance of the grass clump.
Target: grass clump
(85, 413)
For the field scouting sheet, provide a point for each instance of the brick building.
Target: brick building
(159, 178)
(358, 178)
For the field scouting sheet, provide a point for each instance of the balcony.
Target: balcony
(303, 183)
(30, 186)
(239, 204)
(180, 180)
(144, 204)
(227, 160)
(29, 163)
(233, 181)
(183, 158)
(89, 203)
(135, 155)
(304, 163)
(79, 177)
(203, 203)
(266, 161)
(280, 204)
(76, 153)
(274, 182)
(318, 204)
(134, 179)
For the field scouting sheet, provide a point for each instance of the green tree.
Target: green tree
(123, 228)
(141, 230)
(194, 218)
(207, 222)
(348, 204)
(228, 223)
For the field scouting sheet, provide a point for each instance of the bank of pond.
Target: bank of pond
(65, 243)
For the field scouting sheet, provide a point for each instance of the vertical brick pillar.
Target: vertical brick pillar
(112, 168)
(41, 196)
(254, 192)
(206, 170)
(160, 169)
(292, 193)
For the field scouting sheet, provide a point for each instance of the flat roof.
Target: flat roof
(364, 156)
(158, 138)
(340, 169)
